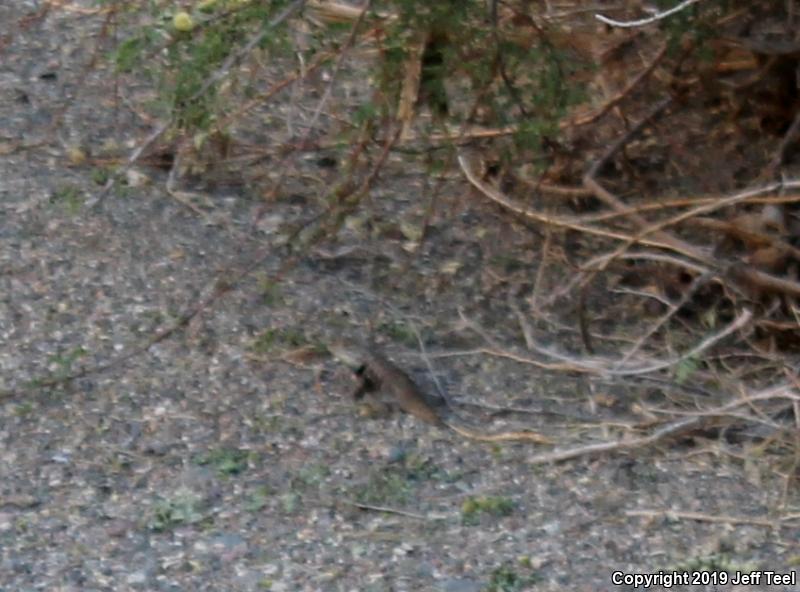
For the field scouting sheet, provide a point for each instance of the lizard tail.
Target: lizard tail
(521, 436)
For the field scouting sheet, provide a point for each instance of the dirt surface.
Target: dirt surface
(226, 457)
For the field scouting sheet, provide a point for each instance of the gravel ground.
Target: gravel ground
(226, 457)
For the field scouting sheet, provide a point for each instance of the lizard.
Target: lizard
(378, 374)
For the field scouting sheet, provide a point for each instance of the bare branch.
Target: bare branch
(669, 430)
(646, 21)
(702, 517)
(737, 324)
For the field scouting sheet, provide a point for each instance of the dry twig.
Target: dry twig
(779, 522)
(645, 21)
(668, 431)
(629, 88)
(559, 222)
(218, 75)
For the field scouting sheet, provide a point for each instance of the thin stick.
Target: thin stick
(539, 281)
(780, 155)
(220, 73)
(135, 155)
(703, 517)
(656, 228)
(635, 255)
(563, 223)
(769, 283)
(386, 510)
(646, 21)
(737, 324)
(525, 326)
(424, 354)
(337, 66)
(595, 365)
(669, 430)
(671, 311)
(590, 181)
(568, 364)
(611, 103)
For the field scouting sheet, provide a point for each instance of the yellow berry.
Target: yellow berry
(182, 21)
